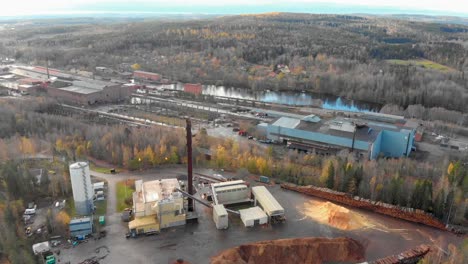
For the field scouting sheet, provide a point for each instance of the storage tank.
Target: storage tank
(82, 188)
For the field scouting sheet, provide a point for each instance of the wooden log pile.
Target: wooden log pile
(405, 213)
(407, 257)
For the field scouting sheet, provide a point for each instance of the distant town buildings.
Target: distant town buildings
(66, 88)
(193, 88)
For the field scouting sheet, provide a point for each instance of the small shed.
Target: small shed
(220, 216)
(40, 248)
(253, 216)
(81, 227)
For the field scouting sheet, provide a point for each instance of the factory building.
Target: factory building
(67, 88)
(148, 76)
(369, 135)
(193, 88)
(82, 188)
(230, 192)
(157, 205)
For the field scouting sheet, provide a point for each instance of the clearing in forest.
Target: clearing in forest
(422, 63)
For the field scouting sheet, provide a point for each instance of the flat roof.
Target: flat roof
(220, 184)
(154, 191)
(287, 122)
(252, 213)
(80, 90)
(80, 220)
(231, 187)
(267, 201)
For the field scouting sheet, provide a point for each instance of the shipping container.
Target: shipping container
(264, 179)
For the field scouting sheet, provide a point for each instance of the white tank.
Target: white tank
(82, 188)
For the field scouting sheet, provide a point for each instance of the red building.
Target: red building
(193, 88)
(146, 75)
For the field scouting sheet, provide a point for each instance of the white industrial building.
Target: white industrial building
(83, 192)
(220, 216)
(253, 216)
(270, 205)
(230, 192)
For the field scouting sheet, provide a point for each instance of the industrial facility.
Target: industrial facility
(83, 192)
(66, 88)
(157, 205)
(370, 135)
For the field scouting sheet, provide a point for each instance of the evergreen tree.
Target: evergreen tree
(331, 176)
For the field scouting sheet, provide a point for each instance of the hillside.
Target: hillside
(349, 56)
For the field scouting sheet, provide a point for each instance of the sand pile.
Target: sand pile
(299, 250)
(335, 215)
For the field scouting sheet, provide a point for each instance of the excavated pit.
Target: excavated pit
(298, 250)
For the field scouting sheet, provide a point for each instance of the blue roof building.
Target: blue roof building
(81, 227)
(370, 136)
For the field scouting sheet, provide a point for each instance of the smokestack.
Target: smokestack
(189, 163)
(47, 67)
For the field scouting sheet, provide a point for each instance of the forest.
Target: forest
(381, 60)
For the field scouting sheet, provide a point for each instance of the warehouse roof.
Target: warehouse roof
(267, 201)
(80, 90)
(287, 122)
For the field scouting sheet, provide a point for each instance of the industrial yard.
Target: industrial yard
(197, 242)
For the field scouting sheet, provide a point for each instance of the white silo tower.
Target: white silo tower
(82, 188)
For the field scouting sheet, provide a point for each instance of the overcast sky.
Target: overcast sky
(34, 7)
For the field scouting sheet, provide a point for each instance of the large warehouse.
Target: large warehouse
(369, 135)
(68, 88)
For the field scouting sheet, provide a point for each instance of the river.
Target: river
(288, 98)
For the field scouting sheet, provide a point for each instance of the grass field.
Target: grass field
(105, 170)
(124, 194)
(101, 207)
(422, 63)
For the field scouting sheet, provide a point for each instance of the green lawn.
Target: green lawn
(422, 63)
(105, 170)
(101, 207)
(70, 207)
(125, 190)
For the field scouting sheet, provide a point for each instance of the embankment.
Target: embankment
(297, 250)
(408, 214)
